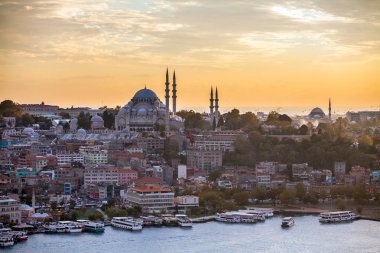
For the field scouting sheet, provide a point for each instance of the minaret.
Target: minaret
(167, 90)
(174, 94)
(211, 102)
(216, 106)
(330, 108)
(167, 97)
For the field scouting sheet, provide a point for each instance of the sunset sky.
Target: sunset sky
(259, 53)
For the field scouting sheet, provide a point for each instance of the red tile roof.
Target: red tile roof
(151, 188)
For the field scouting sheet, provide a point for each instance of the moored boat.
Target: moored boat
(287, 222)
(336, 217)
(183, 220)
(6, 240)
(128, 223)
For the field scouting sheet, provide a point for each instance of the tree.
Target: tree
(109, 119)
(65, 115)
(25, 120)
(300, 191)
(54, 205)
(340, 204)
(241, 198)
(84, 120)
(8, 108)
(214, 175)
(303, 130)
(287, 197)
(232, 120)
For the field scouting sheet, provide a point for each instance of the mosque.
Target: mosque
(145, 110)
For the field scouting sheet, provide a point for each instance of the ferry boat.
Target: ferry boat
(268, 212)
(71, 227)
(6, 240)
(55, 228)
(183, 220)
(339, 216)
(151, 221)
(91, 226)
(128, 223)
(169, 220)
(237, 217)
(287, 222)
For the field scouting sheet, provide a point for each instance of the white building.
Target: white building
(63, 159)
(101, 174)
(9, 210)
(182, 171)
(151, 198)
(96, 157)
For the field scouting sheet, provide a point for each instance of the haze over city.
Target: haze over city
(261, 54)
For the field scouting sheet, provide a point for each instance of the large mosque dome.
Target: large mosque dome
(145, 96)
(317, 113)
(145, 93)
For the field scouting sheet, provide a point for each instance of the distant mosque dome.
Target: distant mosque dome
(28, 131)
(97, 118)
(97, 122)
(317, 113)
(81, 132)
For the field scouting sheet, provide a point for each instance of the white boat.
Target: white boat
(237, 217)
(183, 220)
(287, 222)
(339, 216)
(6, 240)
(71, 227)
(55, 228)
(268, 212)
(90, 226)
(128, 223)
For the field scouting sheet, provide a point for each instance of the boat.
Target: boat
(169, 220)
(336, 217)
(94, 227)
(287, 222)
(237, 217)
(20, 236)
(150, 221)
(268, 212)
(71, 227)
(6, 240)
(183, 220)
(128, 223)
(55, 228)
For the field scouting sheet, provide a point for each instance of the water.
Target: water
(308, 235)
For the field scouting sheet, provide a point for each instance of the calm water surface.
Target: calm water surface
(308, 235)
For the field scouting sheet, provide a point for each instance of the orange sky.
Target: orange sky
(259, 53)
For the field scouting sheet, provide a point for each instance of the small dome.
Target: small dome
(28, 130)
(141, 111)
(81, 132)
(317, 113)
(96, 118)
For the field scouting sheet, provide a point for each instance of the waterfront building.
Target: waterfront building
(9, 210)
(151, 198)
(183, 203)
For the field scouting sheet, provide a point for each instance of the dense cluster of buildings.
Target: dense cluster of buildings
(98, 164)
